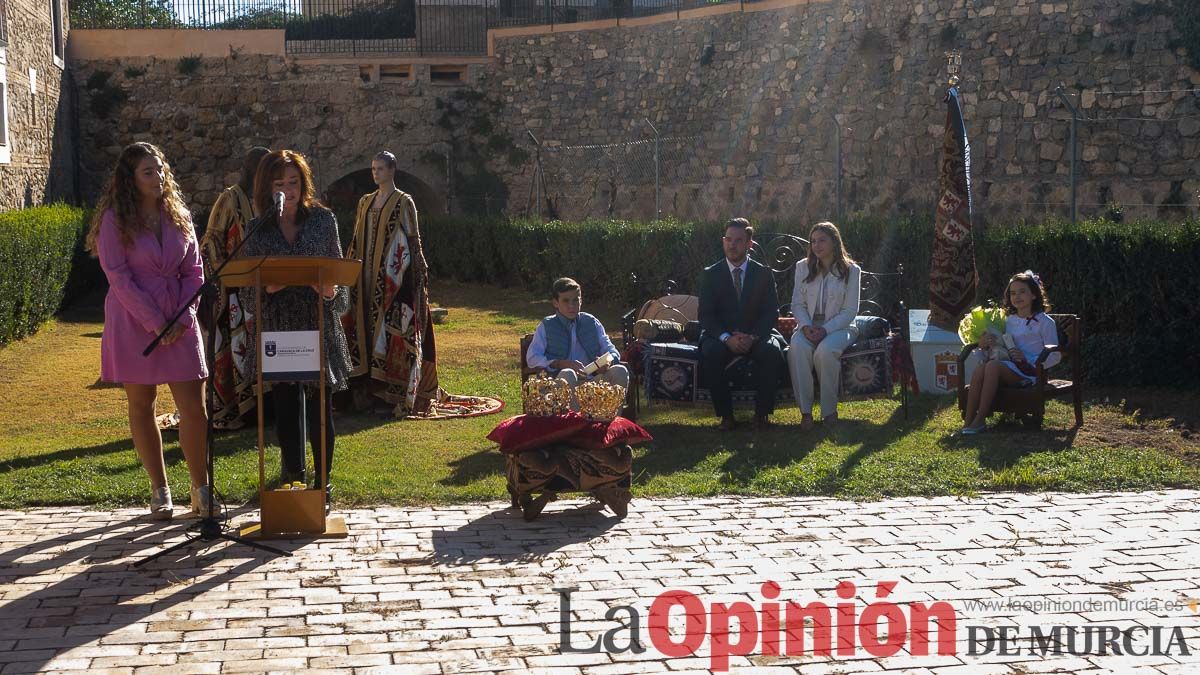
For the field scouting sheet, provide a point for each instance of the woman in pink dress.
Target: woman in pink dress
(142, 233)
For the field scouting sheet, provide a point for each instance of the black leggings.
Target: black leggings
(291, 405)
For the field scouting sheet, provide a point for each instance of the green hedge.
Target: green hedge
(1137, 285)
(37, 248)
(601, 254)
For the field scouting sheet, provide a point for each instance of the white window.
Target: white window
(57, 38)
(3, 23)
(5, 144)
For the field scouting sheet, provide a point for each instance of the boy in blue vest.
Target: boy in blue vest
(569, 339)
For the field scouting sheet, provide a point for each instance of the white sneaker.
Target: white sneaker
(201, 500)
(161, 507)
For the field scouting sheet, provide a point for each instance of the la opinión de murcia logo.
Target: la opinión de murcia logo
(1085, 640)
(911, 625)
(882, 628)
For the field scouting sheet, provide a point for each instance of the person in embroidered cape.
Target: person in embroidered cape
(233, 394)
(389, 326)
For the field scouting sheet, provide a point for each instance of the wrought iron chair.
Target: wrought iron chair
(1030, 401)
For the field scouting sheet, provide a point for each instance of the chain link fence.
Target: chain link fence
(664, 174)
(596, 175)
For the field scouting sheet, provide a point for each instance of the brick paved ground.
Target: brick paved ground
(469, 588)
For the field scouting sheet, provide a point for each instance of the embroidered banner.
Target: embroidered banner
(952, 277)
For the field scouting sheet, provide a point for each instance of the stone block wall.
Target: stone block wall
(768, 104)
(205, 113)
(763, 94)
(40, 164)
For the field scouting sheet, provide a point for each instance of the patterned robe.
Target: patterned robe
(389, 325)
(234, 380)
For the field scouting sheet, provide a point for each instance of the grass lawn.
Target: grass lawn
(64, 439)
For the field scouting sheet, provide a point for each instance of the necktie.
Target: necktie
(737, 281)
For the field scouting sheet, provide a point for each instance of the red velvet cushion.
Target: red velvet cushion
(600, 435)
(526, 432)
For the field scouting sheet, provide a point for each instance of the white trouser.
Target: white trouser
(616, 374)
(827, 358)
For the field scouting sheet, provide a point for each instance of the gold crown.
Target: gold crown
(544, 396)
(600, 400)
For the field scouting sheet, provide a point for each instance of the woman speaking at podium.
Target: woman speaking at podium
(294, 222)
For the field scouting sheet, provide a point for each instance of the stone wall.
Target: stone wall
(761, 98)
(760, 93)
(40, 166)
(205, 113)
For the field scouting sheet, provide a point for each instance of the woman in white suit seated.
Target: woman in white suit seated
(824, 301)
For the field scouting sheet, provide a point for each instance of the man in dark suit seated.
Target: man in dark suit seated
(738, 310)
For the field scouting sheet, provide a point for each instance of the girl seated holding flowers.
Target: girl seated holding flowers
(1031, 331)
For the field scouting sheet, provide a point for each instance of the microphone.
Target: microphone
(280, 198)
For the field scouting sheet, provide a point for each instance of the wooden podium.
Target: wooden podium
(287, 513)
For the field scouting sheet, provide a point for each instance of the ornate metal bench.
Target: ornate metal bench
(669, 364)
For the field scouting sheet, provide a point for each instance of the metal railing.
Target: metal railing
(368, 26)
(553, 12)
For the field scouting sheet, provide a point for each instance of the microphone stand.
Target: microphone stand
(209, 528)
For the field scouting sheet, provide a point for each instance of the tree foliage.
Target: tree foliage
(122, 14)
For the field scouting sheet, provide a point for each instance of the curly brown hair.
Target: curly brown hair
(121, 197)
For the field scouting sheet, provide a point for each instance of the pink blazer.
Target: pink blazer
(147, 283)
